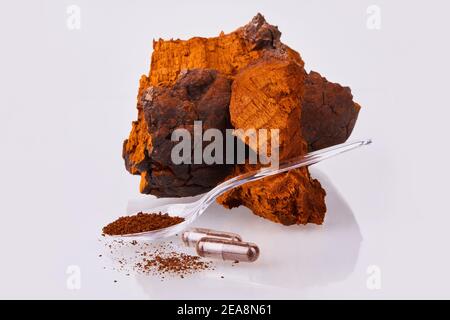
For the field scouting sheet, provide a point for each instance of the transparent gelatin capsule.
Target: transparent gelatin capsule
(227, 249)
(192, 236)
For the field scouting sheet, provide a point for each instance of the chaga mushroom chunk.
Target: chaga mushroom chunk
(288, 198)
(328, 112)
(267, 95)
(198, 95)
(226, 53)
(246, 79)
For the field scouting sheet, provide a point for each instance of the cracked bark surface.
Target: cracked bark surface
(244, 79)
(268, 95)
(198, 95)
(227, 54)
(329, 113)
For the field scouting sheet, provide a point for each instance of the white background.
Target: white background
(67, 100)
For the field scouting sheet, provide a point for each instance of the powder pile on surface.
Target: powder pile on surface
(141, 222)
(163, 260)
(173, 264)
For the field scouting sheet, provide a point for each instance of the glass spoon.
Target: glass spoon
(191, 211)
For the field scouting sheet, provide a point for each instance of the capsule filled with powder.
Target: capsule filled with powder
(227, 249)
(192, 236)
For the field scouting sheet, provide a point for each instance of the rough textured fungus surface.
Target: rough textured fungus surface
(288, 198)
(329, 113)
(198, 95)
(268, 95)
(247, 79)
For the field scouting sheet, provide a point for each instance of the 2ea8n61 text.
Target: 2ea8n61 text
(246, 309)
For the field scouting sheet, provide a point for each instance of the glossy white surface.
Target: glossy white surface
(292, 259)
(67, 103)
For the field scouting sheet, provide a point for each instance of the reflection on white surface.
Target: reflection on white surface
(294, 257)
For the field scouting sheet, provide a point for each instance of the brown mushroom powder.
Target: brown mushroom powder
(141, 222)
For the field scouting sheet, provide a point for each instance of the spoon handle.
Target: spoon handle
(305, 160)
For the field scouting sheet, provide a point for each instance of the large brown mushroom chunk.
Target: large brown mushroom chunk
(246, 79)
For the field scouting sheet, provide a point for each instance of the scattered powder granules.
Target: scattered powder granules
(164, 259)
(173, 263)
(141, 222)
